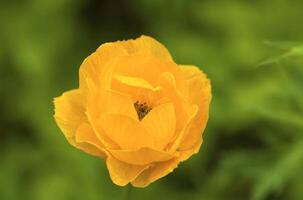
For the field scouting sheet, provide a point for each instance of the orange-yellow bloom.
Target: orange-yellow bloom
(137, 109)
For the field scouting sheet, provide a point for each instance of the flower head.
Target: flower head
(137, 109)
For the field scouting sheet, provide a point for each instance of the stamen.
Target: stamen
(142, 109)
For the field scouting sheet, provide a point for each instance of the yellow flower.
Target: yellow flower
(137, 109)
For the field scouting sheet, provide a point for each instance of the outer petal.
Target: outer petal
(88, 142)
(161, 169)
(99, 66)
(145, 45)
(155, 172)
(70, 117)
(122, 173)
(185, 154)
(94, 65)
(70, 113)
(142, 156)
(199, 94)
(160, 122)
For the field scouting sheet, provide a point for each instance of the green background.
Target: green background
(251, 50)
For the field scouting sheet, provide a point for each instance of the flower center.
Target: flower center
(142, 109)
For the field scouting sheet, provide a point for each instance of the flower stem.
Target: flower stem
(127, 192)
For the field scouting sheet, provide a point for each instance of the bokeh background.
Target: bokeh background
(251, 50)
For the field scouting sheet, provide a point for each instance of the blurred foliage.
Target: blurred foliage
(251, 50)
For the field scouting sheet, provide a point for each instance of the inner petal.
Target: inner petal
(137, 88)
(128, 133)
(161, 124)
(135, 82)
(149, 68)
(144, 67)
(111, 101)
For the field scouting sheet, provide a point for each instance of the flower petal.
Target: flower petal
(161, 169)
(199, 94)
(138, 89)
(108, 102)
(122, 173)
(115, 102)
(99, 66)
(147, 46)
(182, 107)
(70, 117)
(185, 154)
(175, 144)
(87, 140)
(160, 122)
(70, 113)
(128, 133)
(135, 82)
(158, 170)
(150, 68)
(142, 156)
